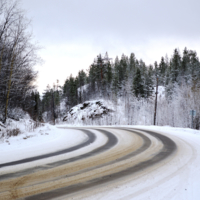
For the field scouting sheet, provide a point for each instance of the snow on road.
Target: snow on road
(175, 178)
(45, 140)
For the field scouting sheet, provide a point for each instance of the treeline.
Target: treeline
(126, 78)
(130, 76)
(17, 58)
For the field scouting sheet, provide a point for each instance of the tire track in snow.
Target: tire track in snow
(169, 147)
(112, 141)
(91, 138)
(21, 181)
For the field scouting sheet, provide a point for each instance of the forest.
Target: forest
(131, 83)
(127, 82)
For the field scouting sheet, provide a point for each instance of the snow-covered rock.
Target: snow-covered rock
(89, 110)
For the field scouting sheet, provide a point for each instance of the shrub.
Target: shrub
(13, 132)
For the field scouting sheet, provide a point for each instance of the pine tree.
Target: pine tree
(92, 81)
(175, 66)
(162, 70)
(115, 82)
(194, 69)
(138, 85)
(149, 86)
(132, 64)
(81, 82)
(185, 65)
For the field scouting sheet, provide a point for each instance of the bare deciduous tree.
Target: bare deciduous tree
(17, 57)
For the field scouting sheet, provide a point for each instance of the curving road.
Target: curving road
(127, 154)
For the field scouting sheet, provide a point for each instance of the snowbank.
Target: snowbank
(43, 140)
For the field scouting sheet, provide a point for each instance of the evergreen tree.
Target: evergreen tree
(92, 81)
(138, 85)
(116, 83)
(175, 66)
(185, 65)
(162, 70)
(132, 64)
(194, 69)
(82, 77)
(149, 87)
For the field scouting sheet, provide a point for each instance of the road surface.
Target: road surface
(128, 154)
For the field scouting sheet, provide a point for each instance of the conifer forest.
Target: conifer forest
(125, 81)
(130, 83)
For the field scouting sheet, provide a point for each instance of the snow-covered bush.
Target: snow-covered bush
(19, 124)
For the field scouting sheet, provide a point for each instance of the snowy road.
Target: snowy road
(120, 163)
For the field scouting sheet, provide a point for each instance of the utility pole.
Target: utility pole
(53, 108)
(156, 101)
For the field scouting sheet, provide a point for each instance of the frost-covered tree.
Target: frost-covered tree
(17, 58)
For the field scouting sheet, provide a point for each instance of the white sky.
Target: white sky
(73, 32)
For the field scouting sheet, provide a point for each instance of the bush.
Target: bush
(13, 132)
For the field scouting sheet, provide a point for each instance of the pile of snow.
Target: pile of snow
(14, 128)
(18, 123)
(89, 110)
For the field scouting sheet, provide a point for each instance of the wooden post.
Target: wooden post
(156, 101)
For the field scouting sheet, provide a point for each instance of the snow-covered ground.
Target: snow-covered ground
(175, 179)
(43, 140)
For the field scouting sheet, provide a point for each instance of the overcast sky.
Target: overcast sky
(73, 32)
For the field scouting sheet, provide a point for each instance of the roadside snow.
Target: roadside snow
(43, 140)
(174, 179)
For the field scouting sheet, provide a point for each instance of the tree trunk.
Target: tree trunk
(1, 58)
(8, 92)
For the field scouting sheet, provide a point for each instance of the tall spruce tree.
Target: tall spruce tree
(175, 66)
(138, 84)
